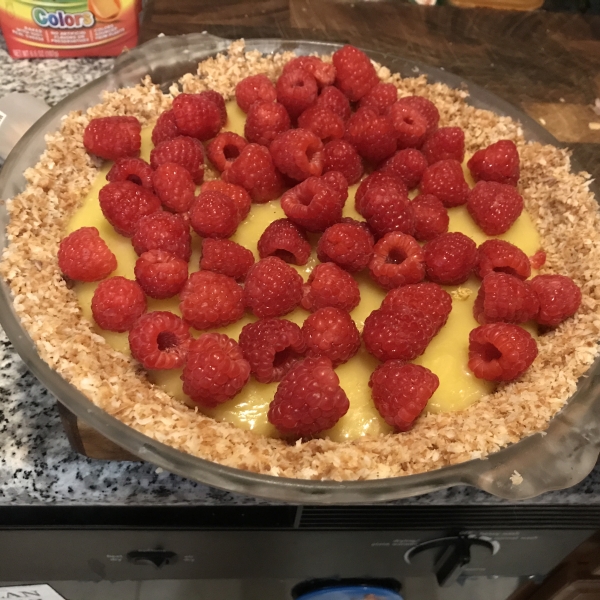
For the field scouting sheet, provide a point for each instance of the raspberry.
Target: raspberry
(408, 165)
(218, 100)
(165, 128)
(265, 121)
(334, 100)
(124, 203)
(431, 217)
(308, 400)
(410, 126)
(226, 257)
(538, 260)
(501, 257)
(426, 108)
(374, 185)
(135, 170)
(372, 135)
(323, 72)
(389, 212)
(224, 149)
(272, 288)
(214, 215)
(112, 138)
(298, 153)
(211, 300)
(255, 172)
(446, 181)
(252, 89)
(285, 240)
(431, 299)
(500, 351)
(380, 98)
(340, 155)
(401, 391)
(559, 298)
(117, 303)
(355, 74)
(328, 285)
(184, 151)
(324, 123)
(296, 90)
(348, 245)
(397, 260)
(332, 333)
(494, 206)
(313, 204)
(402, 334)
(160, 340)
(273, 347)
(241, 198)
(338, 182)
(160, 274)
(174, 185)
(197, 116)
(450, 258)
(445, 143)
(84, 256)
(498, 162)
(215, 370)
(163, 231)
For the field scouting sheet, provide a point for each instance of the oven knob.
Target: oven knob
(158, 558)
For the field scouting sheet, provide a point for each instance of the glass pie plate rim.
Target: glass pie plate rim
(556, 459)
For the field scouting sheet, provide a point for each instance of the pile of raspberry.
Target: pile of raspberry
(308, 136)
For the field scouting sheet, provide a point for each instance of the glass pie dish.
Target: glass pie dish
(557, 458)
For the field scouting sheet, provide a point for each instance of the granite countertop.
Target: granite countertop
(37, 465)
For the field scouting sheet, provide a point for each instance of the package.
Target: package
(69, 28)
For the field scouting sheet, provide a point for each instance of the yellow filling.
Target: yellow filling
(446, 355)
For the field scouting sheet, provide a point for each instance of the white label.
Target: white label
(29, 592)
(2, 117)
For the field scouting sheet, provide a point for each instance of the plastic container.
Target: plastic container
(18, 112)
(351, 592)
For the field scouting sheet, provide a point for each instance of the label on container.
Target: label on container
(29, 592)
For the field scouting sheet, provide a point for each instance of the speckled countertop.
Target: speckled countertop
(37, 465)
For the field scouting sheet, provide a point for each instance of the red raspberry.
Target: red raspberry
(450, 258)
(324, 123)
(165, 128)
(124, 203)
(431, 299)
(272, 288)
(410, 126)
(160, 274)
(494, 206)
(355, 74)
(298, 153)
(197, 116)
(445, 143)
(402, 334)
(160, 340)
(218, 100)
(387, 213)
(163, 231)
(401, 391)
(252, 89)
(265, 121)
(112, 138)
(373, 186)
(174, 185)
(285, 240)
(313, 204)
(184, 151)
(502, 257)
(408, 165)
(210, 300)
(135, 170)
(241, 198)
(431, 217)
(255, 172)
(296, 90)
(538, 260)
(372, 135)
(214, 215)
(332, 333)
(338, 182)
(84, 256)
(397, 260)
(323, 72)
(340, 155)
(500, 351)
(559, 298)
(446, 181)
(348, 245)
(426, 108)
(226, 257)
(380, 98)
(117, 303)
(308, 400)
(273, 347)
(215, 370)
(498, 162)
(334, 100)
(224, 149)
(328, 285)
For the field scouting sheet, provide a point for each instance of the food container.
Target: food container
(558, 458)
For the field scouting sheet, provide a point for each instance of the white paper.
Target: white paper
(29, 592)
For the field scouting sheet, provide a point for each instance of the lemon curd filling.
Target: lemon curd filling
(446, 355)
